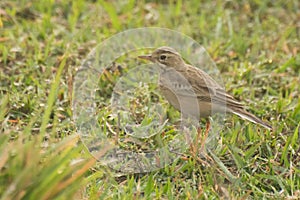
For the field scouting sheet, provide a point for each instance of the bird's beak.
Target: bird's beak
(146, 57)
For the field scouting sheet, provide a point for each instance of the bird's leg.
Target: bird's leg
(205, 134)
(207, 127)
(200, 139)
(195, 145)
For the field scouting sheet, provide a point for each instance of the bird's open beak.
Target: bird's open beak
(146, 57)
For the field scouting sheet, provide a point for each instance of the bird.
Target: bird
(194, 92)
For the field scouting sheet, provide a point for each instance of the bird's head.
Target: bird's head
(166, 57)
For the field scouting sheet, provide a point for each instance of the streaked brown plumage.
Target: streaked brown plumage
(192, 91)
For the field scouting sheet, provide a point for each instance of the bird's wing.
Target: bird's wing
(207, 89)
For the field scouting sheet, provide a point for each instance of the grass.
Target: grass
(255, 45)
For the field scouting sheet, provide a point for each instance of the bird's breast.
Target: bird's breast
(180, 94)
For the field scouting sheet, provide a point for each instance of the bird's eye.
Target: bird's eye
(162, 57)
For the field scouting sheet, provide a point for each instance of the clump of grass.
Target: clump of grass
(31, 167)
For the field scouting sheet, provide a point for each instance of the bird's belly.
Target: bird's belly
(188, 104)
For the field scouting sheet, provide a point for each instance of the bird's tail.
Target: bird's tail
(252, 118)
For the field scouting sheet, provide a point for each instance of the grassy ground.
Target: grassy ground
(254, 44)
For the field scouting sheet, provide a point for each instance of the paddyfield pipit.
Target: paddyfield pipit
(192, 91)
